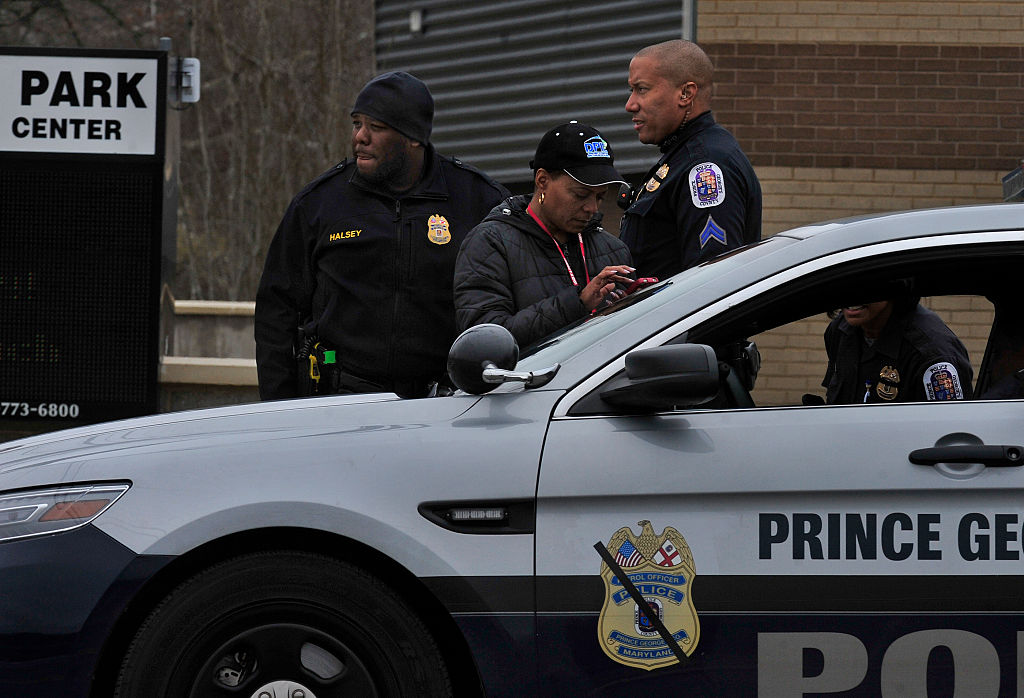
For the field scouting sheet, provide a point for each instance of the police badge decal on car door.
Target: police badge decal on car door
(660, 570)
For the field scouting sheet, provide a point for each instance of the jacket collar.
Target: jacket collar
(431, 184)
(888, 342)
(513, 211)
(686, 131)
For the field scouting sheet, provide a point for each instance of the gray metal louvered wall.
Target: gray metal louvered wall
(503, 72)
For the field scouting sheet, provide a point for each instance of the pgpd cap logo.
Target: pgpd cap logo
(437, 230)
(596, 147)
(662, 570)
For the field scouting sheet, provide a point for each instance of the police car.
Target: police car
(609, 512)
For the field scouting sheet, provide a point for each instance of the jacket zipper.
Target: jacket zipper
(399, 254)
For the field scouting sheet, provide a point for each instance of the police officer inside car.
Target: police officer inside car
(894, 351)
(702, 197)
(356, 292)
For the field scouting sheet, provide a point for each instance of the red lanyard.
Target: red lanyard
(583, 252)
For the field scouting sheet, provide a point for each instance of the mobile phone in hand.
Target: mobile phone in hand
(640, 283)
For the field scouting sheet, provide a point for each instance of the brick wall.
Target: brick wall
(847, 108)
(795, 196)
(971, 22)
(872, 105)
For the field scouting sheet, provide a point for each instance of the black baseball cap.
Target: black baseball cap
(581, 151)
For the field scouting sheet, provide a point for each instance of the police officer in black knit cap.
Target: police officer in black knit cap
(356, 292)
(702, 197)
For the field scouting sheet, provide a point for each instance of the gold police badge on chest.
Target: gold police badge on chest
(654, 182)
(888, 386)
(438, 231)
(661, 571)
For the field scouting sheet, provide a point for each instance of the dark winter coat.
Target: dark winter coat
(916, 358)
(509, 272)
(699, 200)
(370, 274)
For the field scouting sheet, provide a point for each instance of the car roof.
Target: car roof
(897, 225)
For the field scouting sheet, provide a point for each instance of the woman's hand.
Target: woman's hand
(603, 284)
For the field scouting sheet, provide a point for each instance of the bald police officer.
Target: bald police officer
(702, 197)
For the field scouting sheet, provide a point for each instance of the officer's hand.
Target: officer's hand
(603, 284)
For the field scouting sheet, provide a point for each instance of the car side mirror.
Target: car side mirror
(660, 378)
(477, 349)
(482, 358)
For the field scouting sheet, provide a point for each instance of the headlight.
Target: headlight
(54, 509)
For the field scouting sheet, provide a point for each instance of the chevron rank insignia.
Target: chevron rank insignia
(712, 231)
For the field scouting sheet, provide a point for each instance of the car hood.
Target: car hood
(355, 467)
(62, 456)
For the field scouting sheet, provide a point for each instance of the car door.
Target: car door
(783, 551)
(809, 527)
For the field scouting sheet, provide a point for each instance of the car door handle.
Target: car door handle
(993, 456)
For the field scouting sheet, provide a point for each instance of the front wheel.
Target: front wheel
(283, 624)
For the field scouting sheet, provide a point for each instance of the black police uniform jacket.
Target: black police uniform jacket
(369, 273)
(510, 272)
(915, 358)
(699, 200)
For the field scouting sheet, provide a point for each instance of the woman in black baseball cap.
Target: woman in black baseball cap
(537, 263)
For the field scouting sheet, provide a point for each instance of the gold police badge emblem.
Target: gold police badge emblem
(888, 386)
(661, 570)
(652, 184)
(437, 230)
(662, 172)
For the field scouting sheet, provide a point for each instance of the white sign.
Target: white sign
(70, 104)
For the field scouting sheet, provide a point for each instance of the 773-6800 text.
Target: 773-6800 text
(43, 409)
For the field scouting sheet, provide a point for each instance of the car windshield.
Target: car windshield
(565, 343)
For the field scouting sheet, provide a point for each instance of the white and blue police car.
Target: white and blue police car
(609, 512)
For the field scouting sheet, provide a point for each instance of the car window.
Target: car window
(967, 288)
(793, 357)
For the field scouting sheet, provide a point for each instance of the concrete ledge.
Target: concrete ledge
(214, 308)
(195, 370)
(217, 329)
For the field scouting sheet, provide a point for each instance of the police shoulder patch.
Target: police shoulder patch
(942, 382)
(707, 185)
(661, 570)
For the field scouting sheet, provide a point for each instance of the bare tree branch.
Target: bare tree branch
(278, 80)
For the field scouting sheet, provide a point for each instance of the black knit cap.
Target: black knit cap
(401, 101)
(581, 151)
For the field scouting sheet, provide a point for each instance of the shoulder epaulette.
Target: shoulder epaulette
(463, 165)
(469, 168)
(324, 176)
(340, 167)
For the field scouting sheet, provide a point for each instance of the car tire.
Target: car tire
(282, 624)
